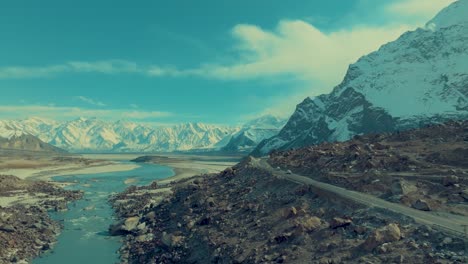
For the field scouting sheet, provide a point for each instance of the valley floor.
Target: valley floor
(26, 185)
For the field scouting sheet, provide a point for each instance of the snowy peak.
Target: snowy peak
(420, 78)
(454, 14)
(254, 132)
(95, 135)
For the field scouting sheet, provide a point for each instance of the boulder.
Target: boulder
(210, 202)
(387, 234)
(402, 187)
(291, 212)
(338, 222)
(131, 223)
(422, 205)
(145, 238)
(151, 216)
(141, 226)
(464, 194)
(446, 241)
(450, 180)
(309, 223)
(170, 240)
(7, 228)
(124, 227)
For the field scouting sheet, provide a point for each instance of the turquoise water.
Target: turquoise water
(84, 238)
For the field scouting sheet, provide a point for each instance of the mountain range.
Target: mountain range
(420, 78)
(95, 135)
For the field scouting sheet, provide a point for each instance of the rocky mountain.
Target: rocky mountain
(420, 78)
(255, 132)
(94, 135)
(12, 138)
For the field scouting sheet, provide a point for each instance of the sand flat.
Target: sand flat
(47, 172)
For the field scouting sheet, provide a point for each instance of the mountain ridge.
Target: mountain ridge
(418, 79)
(95, 135)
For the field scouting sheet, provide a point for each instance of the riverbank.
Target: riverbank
(86, 222)
(45, 169)
(186, 166)
(28, 194)
(26, 229)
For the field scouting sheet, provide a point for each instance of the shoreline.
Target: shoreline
(46, 173)
(187, 168)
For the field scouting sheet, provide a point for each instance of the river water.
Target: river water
(84, 238)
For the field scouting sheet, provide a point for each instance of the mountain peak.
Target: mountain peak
(266, 121)
(454, 14)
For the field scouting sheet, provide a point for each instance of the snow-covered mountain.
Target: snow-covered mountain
(94, 135)
(255, 132)
(20, 135)
(420, 78)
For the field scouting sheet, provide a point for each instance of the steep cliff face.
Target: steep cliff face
(420, 78)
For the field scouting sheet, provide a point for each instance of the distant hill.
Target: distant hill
(28, 143)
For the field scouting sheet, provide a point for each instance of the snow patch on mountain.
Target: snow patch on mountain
(254, 132)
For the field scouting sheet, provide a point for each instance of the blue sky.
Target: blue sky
(178, 61)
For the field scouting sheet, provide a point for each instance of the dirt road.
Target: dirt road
(452, 223)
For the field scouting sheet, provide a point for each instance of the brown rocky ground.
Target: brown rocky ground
(424, 168)
(26, 230)
(244, 215)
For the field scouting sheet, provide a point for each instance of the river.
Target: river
(84, 238)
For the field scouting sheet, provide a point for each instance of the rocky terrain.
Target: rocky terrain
(26, 230)
(418, 79)
(245, 215)
(423, 168)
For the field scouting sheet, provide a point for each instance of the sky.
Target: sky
(165, 62)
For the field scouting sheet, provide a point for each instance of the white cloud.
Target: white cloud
(90, 101)
(16, 72)
(104, 67)
(108, 67)
(424, 9)
(299, 49)
(63, 112)
(295, 48)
